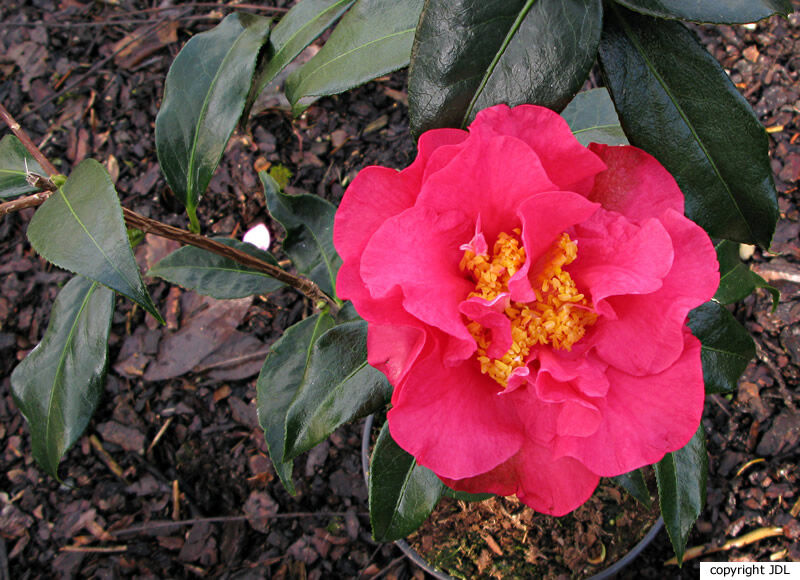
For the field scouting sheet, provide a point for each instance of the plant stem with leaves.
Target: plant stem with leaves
(148, 225)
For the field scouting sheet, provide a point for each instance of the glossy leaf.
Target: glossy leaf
(737, 281)
(592, 118)
(338, 387)
(715, 11)
(80, 228)
(297, 29)
(57, 386)
(634, 483)
(15, 163)
(374, 38)
(471, 54)
(216, 276)
(702, 131)
(278, 383)
(402, 494)
(308, 221)
(204, 96)
(681, 478)
(727, 346)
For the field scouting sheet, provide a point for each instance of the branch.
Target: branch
(24, 202)
(304, 285)
(746, 539)
(151, 226)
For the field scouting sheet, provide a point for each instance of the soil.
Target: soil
(171, 478)
(502, 538)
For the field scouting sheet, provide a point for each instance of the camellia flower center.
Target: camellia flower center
(558, 317)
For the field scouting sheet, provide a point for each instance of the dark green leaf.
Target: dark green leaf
(402, 494)
(80, 228)
(633, 482)
(57, 386)
(204, 96)
(716, 11)
(278, 382)
(727, 346)
(374, 38)
(297, 29)
(222, 278)
(339, 386)
(472, 54)
(675, 101)
(592, 118)
(308, 221)
(737, 281)
(681, 478)
(15, 163)
(347, 313)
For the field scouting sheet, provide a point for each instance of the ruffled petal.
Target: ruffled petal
(432, 144)
(563, 375)
(491, 315)
(392, 349)
(550, 486)
(635, 183)
(375, 195)
(643, 418)
(545, 217)
(418, 251)
(452, 419)
(475, 182)
(617, 256)
(647, 336)
(568, 163)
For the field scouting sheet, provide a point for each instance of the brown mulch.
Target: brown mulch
(171, 478)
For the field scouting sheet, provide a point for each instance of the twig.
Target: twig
(160, 434)
(155, 525)
(258, 355)
(176, 501)
(255, 7)
(95, 550)
(106, 457)
(21, 203)
(386, 569)
(307, 287)
(151, 226)
(749, 538)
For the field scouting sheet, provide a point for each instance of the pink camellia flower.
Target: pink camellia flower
(527, 297)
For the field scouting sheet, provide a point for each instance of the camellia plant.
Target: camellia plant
(538, 299)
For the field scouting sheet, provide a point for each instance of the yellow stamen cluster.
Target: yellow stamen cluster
(558, 317)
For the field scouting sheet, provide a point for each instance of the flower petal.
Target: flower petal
(491, 315)
(635, 183)
(545, 217)
(473, 183)
(643, 418)
(550, 486)
(568, 163)
(452, 419)
(647, 336)
(378, 193)
(392, 349)
(617, 256)
(418, 251)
